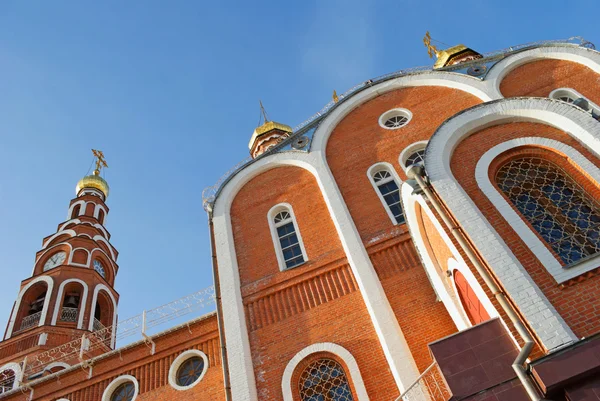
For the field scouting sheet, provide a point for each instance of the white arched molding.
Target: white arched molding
(391, 338)
(272, 226)
(66, 223)
(97, 289)
(112, 386)
(49, 251)
(102, 239)
(437, 280)
(339, 351)
(573, 95)
(69, 232)
(97, 211)
(101, 227)
(70, 260)
(16, 368)
(81, 203)
(50, 284)
(83, 300)
(110, 261)
(184, 356)
(53, 365)
(577, 54)
(384, 166)
(408, 151)
(535, 307)
(533, 242)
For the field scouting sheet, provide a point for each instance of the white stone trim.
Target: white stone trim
(533, 242)
(81, 209)
(408, 151)
(97, 211)
(278, 251)
(572, 93)
(184, 356)
(70, 232)
(82, 301)
(393, 343)
(97, 289)
(66, 223)
(101, 227)
(353, 371)
(580, 55)
(112, 386)
(381, 166)
(70, 260)
(15, 367)
(102, 239)
(535, 307)
(56, 364)
(50, 284)
(394, 113)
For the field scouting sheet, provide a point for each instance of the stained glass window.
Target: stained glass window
(324, 380)
(562, 213)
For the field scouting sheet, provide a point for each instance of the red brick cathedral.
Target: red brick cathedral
(431, 235)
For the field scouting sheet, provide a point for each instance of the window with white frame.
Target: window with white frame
(570, 95)
(395, 118)
(389, 193)
(413, 154)
(286, 237)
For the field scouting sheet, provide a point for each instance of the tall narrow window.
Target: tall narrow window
(324, 380)
(76, 211)
(286, 237)
(389, 193)
(562, 213)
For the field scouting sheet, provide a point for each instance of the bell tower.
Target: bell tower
(70, 291)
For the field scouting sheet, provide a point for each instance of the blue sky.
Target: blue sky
(169, 91)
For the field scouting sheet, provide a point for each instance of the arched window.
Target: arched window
(388, 192)
(286, 237)
(101, 216)
(561, 212)
(324, 380)
(570, 95)
(7, 380)
(76, 211)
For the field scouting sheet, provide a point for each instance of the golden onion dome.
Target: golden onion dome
(93, 181)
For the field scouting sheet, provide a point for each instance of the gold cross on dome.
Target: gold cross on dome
(431, 49)
(100, 160)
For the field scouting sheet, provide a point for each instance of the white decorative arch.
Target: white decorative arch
(97, 211)
(387, 328)
(277, 245)
(50, 284)
(66, 223)
(53, 365)
(70, 260)
(110, 261)
(577, 54)
(535, 307)
(69, 232)
(533, 242)
(97, 289)
(408, 151)
(81, 210)
(102, 239)
(49, 250)
(15, 367)
(379, 166)
(101, 228)
(337, 350)
(112, 386)
(58, 307)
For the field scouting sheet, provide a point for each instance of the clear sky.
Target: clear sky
(169, 91)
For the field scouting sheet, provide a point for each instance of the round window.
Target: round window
(188, 369)
(395, 118)
(125, 392)
(99, 268)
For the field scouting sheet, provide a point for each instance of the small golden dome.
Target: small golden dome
(93, 181)
(267, 127)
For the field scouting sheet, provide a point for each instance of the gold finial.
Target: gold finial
(100, 161)
(431, 49)
(335, 97)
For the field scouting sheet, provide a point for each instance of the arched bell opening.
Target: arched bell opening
(103, 317)
(31, 307)
(8, 380)
(71, 304)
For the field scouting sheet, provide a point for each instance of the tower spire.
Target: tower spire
(101, 161)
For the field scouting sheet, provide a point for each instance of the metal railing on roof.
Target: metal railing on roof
(210, 193)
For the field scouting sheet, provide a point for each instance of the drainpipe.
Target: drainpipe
(218, 303)
(417, 173)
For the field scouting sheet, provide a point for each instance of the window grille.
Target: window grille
(125, 392)
(190, 371)
(416, 158)
(324, 380)
(390, 192)
(288, 239)
(562, 213)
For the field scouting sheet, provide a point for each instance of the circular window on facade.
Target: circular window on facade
(123, 388)
(395, 118)
(99, 268)
(188, 369)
